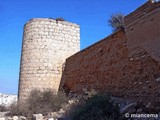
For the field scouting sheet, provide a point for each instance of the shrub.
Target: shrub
(98, 107)
(47, 101)
(3, 108)
(40, 102)
(14, 110)
(60, 19)
(117, 22)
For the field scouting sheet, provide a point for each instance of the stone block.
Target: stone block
(37, 117)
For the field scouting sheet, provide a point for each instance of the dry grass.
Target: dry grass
(39, 102)
(117, 22)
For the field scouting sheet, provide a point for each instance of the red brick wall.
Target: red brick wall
(113, 65)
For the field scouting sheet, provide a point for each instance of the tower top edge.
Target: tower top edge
(51, 20)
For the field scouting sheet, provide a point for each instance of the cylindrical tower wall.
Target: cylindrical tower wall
(46, 45)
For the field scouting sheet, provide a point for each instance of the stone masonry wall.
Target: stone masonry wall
(46, 45)
(143, 29)
(108, 67)
(118, 64)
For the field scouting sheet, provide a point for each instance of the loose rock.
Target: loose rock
(37, 117)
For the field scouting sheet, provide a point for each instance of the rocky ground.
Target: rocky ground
(130, 110)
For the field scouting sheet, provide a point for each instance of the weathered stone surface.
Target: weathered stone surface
(106, 67)
(9, 118)
(142, 29)
(2, 114)
(22, 118)
(46, 45)
(158, 79)
(125, 64)
(50, 118)
(37, 117)
(15, 117)
(2, 118)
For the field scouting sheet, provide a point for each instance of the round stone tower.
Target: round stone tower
(46, 45)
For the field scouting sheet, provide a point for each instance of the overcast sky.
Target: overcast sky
(91, 15)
